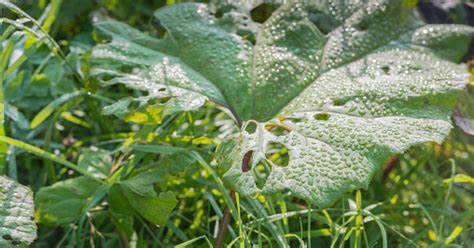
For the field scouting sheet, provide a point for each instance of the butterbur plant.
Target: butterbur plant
(339, 99)
(322, 94)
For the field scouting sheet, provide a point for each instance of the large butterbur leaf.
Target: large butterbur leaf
(17, 227)
(337, 85)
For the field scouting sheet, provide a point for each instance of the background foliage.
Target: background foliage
(423, 197)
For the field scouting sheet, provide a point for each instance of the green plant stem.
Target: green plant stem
(358, 220)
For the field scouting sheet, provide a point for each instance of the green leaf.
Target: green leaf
(62, 202)
(345, 125)
(336, 99)
(154, 208)
(210, 57)
(119, 108)
(120, 210)
(16, 214)
(146, 68)
(96, 161)
(449, 42)
(15, 115)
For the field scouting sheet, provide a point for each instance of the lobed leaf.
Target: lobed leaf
(350, 84)
(144, 200)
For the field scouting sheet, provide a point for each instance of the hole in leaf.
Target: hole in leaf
(262, 12)
(323, 22)
(152, 101)
(246, 35)
(10, 238)
(277, 129)
(260, 173)
(251, 127)
(296, 120)
(158, 30)
(247, 161)
(105, 40)
(7, 237)
(164, 99)
(339, 102)
(362, 26)
(278, 154)
(105, 77)
(385, 69)
(126, 68)
(218, 14)
(321, 116)
(134, 105)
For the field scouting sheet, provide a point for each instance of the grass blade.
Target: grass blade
(160, 149)
(191, 241)
(5, 56)
(49, 109)
(46, 155)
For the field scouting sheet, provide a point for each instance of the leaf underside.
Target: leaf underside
(348, 94)
(16, 214)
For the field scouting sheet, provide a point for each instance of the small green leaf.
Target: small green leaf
(96, 161)
(120, 210)
(62, 202)
(14, 114)
(16, 214)
(119, 108)
(140, 193)
(155, 209)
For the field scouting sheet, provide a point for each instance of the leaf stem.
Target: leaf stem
(219, 241)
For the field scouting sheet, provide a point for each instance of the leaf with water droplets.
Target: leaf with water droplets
(144, 63)
(450, 42)
(352, 82)
(341, 128)
(16, 214)
(207, 57)
(348, 122)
